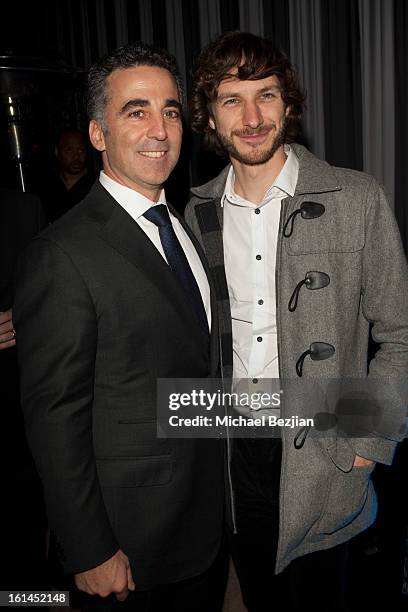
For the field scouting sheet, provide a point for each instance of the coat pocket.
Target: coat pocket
(339, 228)
(346, 498)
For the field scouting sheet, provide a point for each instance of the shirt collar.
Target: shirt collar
(132, 201)
(285, 182)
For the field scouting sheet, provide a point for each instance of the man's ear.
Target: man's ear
(287, 110)
(96, 136)
(211, 123)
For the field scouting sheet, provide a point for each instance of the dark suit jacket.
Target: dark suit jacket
(110, 319)
(57, 200)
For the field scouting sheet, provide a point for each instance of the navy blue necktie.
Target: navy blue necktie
(177, 260)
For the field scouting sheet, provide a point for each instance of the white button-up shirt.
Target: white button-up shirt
(136, 205)
(250, 242)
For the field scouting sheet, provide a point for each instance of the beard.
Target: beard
(258, 155)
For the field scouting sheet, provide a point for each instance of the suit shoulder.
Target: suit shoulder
(80, 223)
(74, 223)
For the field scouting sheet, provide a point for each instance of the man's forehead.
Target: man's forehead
(71, 138)
(231, 79)
(152, 84)
(141, 76)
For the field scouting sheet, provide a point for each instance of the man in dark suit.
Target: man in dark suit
(119, 294)
(21, 218)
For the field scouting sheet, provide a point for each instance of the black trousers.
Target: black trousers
(203, 593)
(316, 581)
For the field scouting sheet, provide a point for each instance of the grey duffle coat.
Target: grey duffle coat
(324, 501)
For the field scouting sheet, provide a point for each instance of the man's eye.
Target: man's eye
(136, 114)
(231, 101)
(172, 114)
(269, 95)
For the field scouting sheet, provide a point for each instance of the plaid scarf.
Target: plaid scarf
(209, 217)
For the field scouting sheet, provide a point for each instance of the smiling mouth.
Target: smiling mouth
(254, 137)
(153, 154)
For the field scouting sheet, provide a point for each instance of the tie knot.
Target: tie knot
(159, 215)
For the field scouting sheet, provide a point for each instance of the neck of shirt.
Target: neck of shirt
(283, 185)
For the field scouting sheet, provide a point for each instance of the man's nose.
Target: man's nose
(157, 128)
(252, 115)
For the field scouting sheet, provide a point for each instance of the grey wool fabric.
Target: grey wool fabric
(324, 501)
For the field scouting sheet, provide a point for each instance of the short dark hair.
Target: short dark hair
(254, 58)
(68, 130)
(128, 56)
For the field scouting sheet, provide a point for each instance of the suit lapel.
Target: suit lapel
(124, 235)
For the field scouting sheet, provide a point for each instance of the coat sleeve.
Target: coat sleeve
(385, 305)
(56, 328)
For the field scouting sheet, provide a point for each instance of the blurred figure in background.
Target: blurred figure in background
(73, 178)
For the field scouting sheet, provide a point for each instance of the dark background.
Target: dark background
(352, 56)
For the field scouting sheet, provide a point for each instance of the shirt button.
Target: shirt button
(258, 257)
(260, 302)
(254, 380)
(257, 211)
(259, 338)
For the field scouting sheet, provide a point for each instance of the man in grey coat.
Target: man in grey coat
(304, 257)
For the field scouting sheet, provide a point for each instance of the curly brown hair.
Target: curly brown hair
(254, 58)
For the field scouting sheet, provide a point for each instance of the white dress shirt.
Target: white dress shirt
(250, 241)
(136, 205)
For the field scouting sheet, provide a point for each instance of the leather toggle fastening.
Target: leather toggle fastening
(318, 351)
(307, 210)
(313, 280)
(300, 437)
